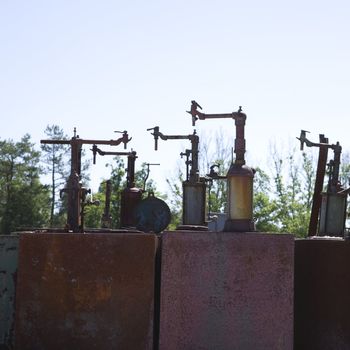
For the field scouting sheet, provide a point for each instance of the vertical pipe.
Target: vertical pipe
(131, 170)
(317, 198)
(194, 164)
(73, 187)
(240, 141)
(335, 174)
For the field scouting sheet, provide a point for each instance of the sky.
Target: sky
(102, 66)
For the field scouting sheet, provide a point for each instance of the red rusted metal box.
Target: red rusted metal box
(322, 294)
(223, 290)
(85, 291)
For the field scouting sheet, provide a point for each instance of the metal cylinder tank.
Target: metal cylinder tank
(193, 203)
(240, 198)
(333, 214)
(130, 198)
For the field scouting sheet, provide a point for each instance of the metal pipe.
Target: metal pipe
(76, 193)
(317, 197)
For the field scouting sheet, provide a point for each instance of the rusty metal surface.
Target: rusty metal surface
(320, 174)
(130, 199)
(85, 291)
(8, 272)
(224, 290)
(322, 288)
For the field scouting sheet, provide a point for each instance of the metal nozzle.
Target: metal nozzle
(302, 138)
(94, 151)
(156, 136)
(194, 112)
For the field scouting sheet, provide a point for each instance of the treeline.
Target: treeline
(28, 202)
(282, 193)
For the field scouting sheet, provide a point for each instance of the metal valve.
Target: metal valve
(156, 136)
(194, 112)
(303, 139)
(125, 137)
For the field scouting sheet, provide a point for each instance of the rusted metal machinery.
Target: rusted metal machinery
(330, 206)
(131, 195)
(77, 193)
(239, 177)
(147, 174)
(194, 187)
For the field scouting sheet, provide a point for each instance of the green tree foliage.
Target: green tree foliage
(216, 150)
(293, 191)
(24, 200)
(175, 199)
(56, 164)
(265, 207)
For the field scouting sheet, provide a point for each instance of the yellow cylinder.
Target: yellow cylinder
(240, 197)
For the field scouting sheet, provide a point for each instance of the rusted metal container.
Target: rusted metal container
(193, 203)
(225, 290)
(130, 198)
(8, 273)
(85, 291)
(333, 214)
(322, 287)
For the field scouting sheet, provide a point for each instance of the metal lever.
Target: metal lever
(194, 112)
(303, 139)
(125, 138)
(94, 151)
(156, 136)
(187, 154)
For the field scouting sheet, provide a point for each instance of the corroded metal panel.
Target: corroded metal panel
(223, 290)
(322, 288)
(8, 271)
(85, 291)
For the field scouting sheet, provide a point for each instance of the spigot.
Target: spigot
(303, 139)
(94, 151)
(186, 154)
(213, 174)
(125, 137)
(156, 136)
(194, 112)
(188, 162)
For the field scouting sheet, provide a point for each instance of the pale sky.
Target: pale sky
(110, 65)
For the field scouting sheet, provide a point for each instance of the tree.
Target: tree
(56, 163)
(265, 207)
(24, 200)
(175, 198)
(293, 191)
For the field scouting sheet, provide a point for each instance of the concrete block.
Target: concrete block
(222, 290)
(85, 291)
(322, 294)
(8, 272)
